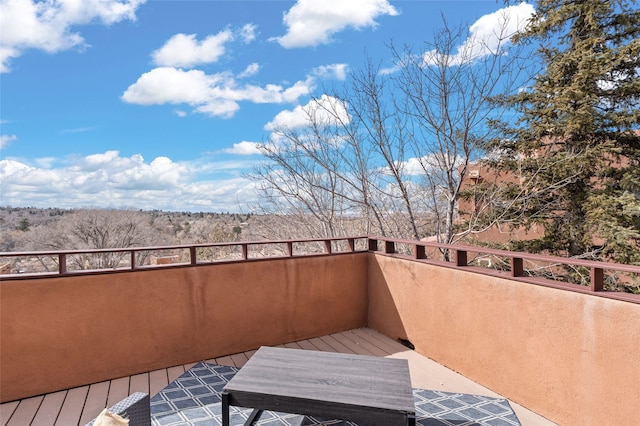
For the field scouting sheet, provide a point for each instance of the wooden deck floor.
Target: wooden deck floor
(80, 405)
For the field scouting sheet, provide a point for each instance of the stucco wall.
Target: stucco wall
(63, 332)
(571, 357)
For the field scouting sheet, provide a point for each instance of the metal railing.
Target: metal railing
(586, 276)
(573, 274)
(67, 262)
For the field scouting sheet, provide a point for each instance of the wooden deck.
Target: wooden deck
(80, 405)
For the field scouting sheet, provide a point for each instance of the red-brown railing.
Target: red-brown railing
(131, 258)
(473, 258)
(519, 266)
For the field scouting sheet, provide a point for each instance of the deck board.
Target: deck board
(96, 401)
(72, 407)
(224, 360)
(48, 411)
(118, 390)
(391, 346)
(367, 345)
(139, 383)
(6, 411)
(25, 411)
(305, 344)
(239, 359)
(249, 353)
(320, 345)
(158, 380)
(340, 346)
(175, 372)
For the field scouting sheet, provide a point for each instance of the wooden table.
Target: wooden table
(364, 389)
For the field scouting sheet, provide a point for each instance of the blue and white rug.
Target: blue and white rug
(193, 399)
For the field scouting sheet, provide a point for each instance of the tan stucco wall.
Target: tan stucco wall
(58, 333)
(571, 357)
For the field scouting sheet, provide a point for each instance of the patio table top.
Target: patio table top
(373, 390)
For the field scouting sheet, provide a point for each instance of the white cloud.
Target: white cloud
(244, 148)
(172, 85)
(312, 22)
(294, 119)
(48, 25)
(271, 93)
(6, 54)
(223, 108)
(79, 130)
(211, 94)
(46, 162)
(97, 160)
(250, 70)
(413, 166)
(218, 94)
(5, 140)
(248, 33)
(111, 170)
(489, 34)
(390, 70)
(184, 50)
(324, 111)
(110, 180)
(336, 71)
(431, 164)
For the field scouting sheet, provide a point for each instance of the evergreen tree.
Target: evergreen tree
(24, 225)
(575, 144)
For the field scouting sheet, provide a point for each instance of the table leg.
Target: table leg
(253, 417)
(411, 420)
(225, 409)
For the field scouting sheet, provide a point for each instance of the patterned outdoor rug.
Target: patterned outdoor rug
(193, 399)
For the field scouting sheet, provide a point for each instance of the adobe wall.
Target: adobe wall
(573, 358)
(64, 332)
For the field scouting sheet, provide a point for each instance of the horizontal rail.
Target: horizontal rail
(460, 259)
(457, 256)
(325, 247)
(179, 246)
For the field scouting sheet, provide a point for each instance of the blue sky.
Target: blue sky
(160, 104)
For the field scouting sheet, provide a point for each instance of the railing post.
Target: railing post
(327, 246)
(373, 244)
(133, 259)
(389, 247)
(597, 279)
(62, 263)
(461, 258)
(192, 255)
(517, 267)
(245, 251)
(290, 248)
(419, 251)
(351, 242)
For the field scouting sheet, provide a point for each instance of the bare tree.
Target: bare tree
(94, 229)
(301, 178)
(393, 146)
(448, 89)
(345, 163)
